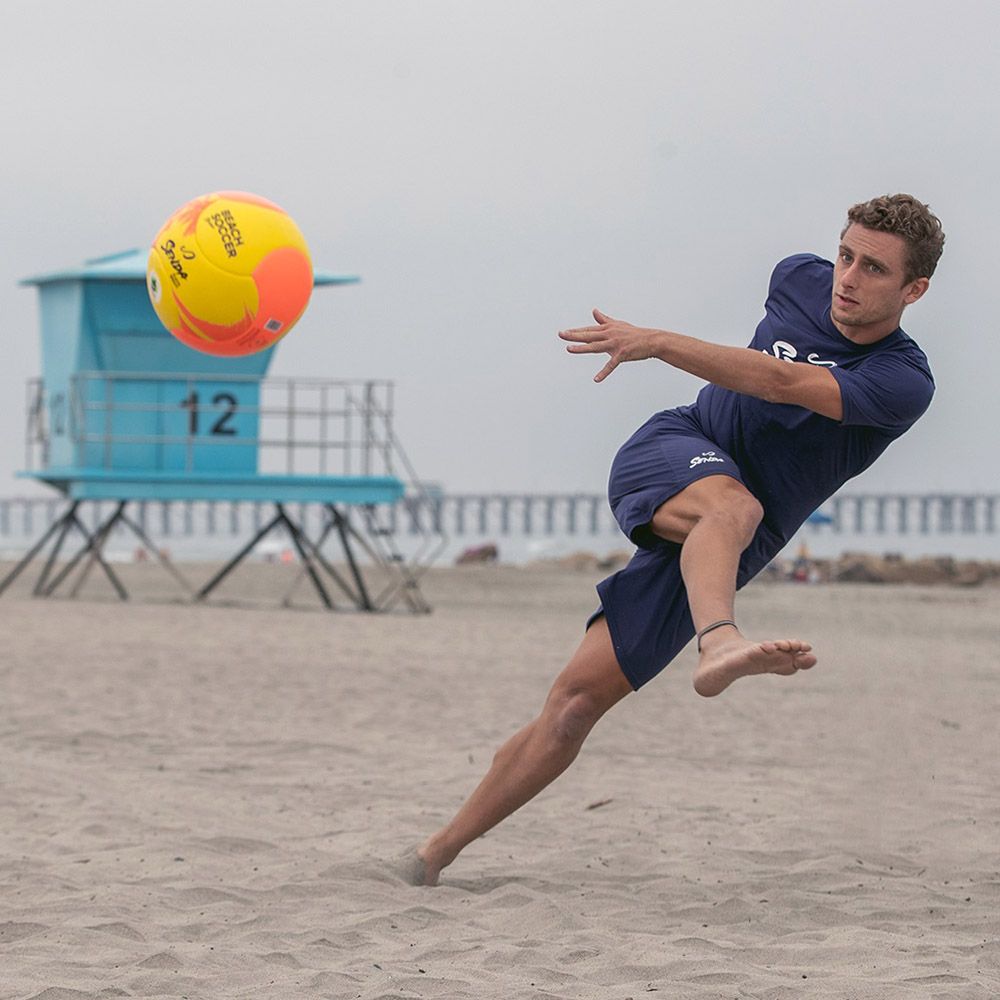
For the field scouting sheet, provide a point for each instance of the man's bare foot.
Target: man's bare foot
(412, 868)
(419, 865)
(727, 656)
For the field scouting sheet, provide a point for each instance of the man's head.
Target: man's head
(904, 216)
(888, 252)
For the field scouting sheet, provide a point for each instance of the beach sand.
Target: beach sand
(204, 802)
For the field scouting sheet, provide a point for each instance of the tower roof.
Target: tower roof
(130, 265)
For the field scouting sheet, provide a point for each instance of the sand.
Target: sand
(202, 802)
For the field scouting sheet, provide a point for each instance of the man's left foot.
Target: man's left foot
(727, 657)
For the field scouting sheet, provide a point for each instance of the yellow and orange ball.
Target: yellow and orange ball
(229, 273)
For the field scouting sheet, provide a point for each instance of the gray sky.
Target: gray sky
(494, 170)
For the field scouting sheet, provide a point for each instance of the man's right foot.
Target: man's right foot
(728, 656)
(412, 868)
(417, 867)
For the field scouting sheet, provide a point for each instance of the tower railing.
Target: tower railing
(186, 423)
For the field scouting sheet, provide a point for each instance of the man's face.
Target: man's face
(869, 290)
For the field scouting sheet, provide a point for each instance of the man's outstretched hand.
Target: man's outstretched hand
(621, 340)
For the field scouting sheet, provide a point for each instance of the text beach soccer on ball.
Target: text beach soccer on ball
(229, 273)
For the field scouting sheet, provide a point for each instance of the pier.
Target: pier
(500, 515)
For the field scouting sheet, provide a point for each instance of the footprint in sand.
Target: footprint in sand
(161, 960)
(14, 931)
(118, 930)
(236, 845)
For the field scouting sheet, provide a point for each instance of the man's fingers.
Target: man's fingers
(602, 318)
(606, 370)
(582, 334)
(588, 348)
(593, 340)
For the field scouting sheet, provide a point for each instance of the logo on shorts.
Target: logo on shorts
(705, 456)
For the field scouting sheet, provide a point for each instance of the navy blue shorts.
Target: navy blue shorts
(645, 603)
(666, 454)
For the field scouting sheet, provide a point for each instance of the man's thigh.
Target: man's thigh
(660, 462)
(716, 493)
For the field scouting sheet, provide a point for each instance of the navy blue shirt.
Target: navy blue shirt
(791, 458)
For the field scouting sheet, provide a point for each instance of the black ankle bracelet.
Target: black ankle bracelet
(712, 627)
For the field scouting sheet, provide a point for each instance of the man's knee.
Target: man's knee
(719, 498)
(571, 715)
(590, 685)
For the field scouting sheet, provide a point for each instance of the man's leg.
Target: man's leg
(714, 520)
(536, 755)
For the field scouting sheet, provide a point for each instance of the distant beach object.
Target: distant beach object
(229, 273)
(488, 553)
(819, 517)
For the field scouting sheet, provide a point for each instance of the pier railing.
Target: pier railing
(497, 515)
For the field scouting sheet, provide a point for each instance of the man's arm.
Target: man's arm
(751, 372)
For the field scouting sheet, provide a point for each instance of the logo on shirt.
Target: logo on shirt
(705, 456)
(784, 351)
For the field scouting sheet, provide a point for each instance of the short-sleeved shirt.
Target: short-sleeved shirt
(790, 458)
(793, 459)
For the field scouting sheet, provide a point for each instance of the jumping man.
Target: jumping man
(709, 493)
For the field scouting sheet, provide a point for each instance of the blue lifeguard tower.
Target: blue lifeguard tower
(126, 413)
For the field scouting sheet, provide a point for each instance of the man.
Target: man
(710, 493)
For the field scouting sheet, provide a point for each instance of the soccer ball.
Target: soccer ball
(229, 273)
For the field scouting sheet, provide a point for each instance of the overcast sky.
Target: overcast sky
(494, 170)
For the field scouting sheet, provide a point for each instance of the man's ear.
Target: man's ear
(916, 289)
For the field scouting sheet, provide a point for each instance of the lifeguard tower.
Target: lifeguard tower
(125, 413)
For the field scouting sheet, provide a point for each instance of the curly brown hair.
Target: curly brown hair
(903, 215)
